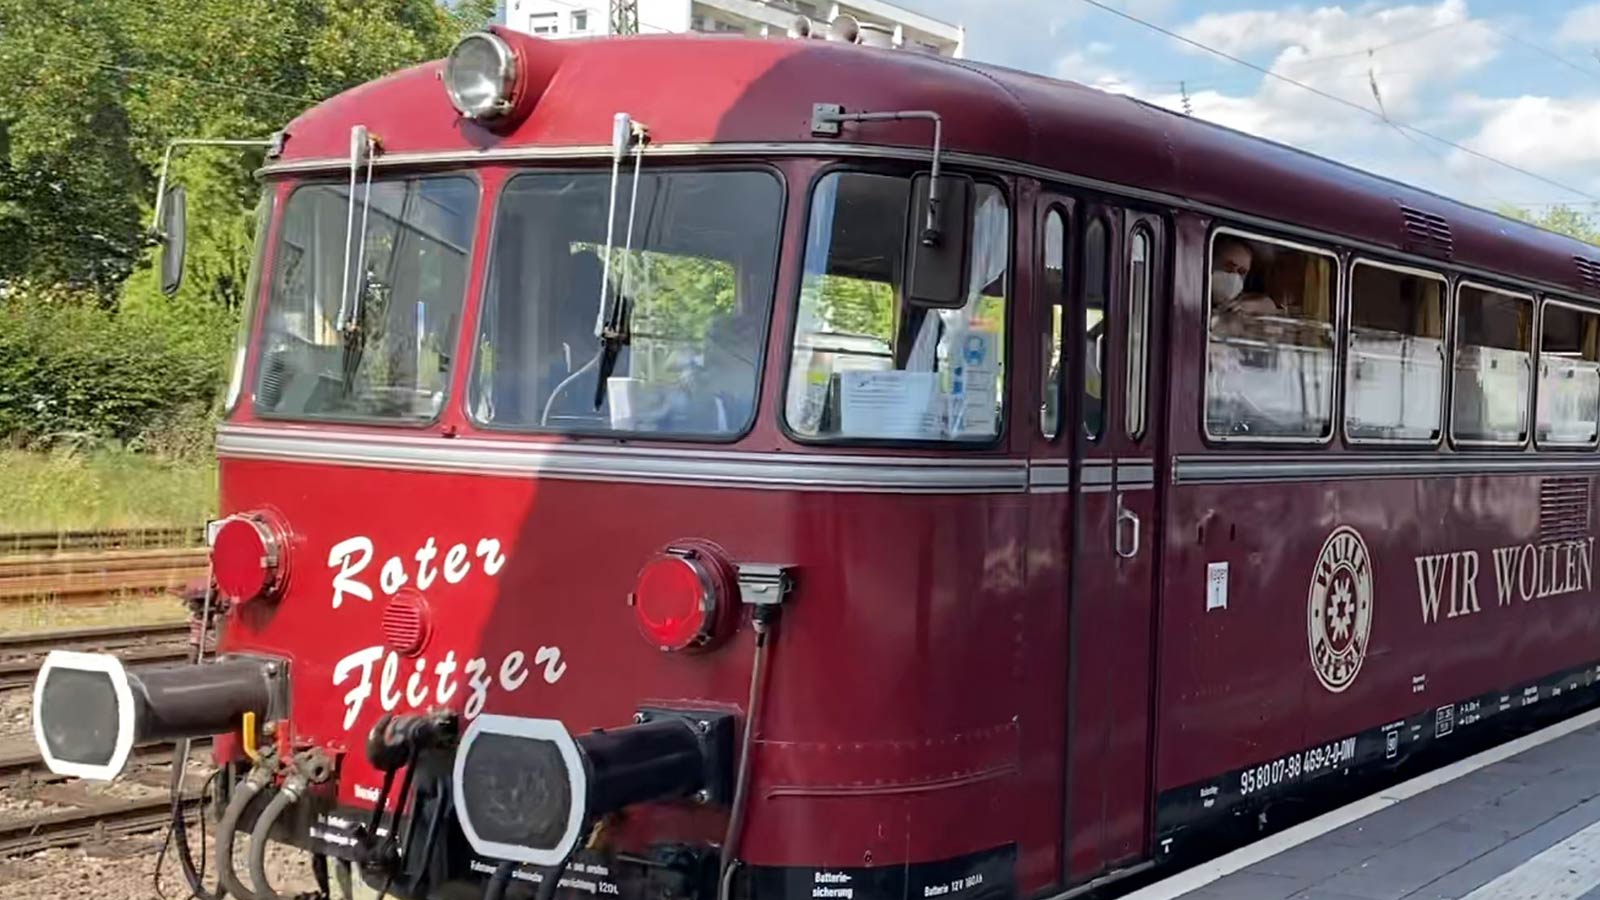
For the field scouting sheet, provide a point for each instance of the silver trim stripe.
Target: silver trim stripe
(1050, 476)
(580, 462)
(1276, 468)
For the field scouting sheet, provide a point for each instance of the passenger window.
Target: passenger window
(1493, 366)
(1394, 383)
(1271, 351)
(1139, 281)
(1053, 291)
(1569, 377)
(1095, 272)
(869, 364)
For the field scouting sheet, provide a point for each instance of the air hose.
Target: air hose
(294, 787)
(252, 784)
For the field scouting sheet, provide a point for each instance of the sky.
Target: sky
(1517, 81)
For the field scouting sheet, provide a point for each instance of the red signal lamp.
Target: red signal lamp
(248, 557)
(681, 598)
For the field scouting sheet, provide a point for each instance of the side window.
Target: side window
(1140, 276)
(1493, 366)
(1270, 371)
(1569, 377)
(1394, 375)
(1053, 293)
(868, 364)
(1095, 272)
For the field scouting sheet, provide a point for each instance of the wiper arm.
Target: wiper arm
(615, 333)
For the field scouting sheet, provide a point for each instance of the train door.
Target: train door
(1109, 348)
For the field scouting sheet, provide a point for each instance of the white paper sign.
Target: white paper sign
(1216, 586)
(976, 383)
(887, 404)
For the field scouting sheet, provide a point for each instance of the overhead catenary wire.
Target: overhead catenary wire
(1342, 101)
(1546, 51)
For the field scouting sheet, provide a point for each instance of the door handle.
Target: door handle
(1127, 525)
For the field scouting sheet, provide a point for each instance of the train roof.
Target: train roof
(695, 89)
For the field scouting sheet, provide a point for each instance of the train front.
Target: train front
(502, 580)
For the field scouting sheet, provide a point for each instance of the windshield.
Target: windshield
(391, 361)
(698, 283)
(870, 363)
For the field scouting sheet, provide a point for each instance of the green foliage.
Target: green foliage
(857, 306)
(71, 490)
(91, 93)
(1562, 220)
(75, 374)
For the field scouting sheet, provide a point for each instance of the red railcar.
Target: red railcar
(712, 500)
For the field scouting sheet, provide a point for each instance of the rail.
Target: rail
(21, 654)
(94, 822)
(33, 542)
(83, 578)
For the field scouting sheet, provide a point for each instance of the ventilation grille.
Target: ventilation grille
(1427, 233)
(1563, 509)
(1588, 273)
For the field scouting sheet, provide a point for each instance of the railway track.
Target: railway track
(20, 655)
(96, 577)
(92, 823)
(100, 541)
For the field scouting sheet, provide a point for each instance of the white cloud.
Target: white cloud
(1581, 26)
(1420, 55)
(1408, 52)
(1559, 137)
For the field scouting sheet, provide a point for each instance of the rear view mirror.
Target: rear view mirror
(937, 244)
(172, 229)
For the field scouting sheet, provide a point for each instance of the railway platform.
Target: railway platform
(1520, 821)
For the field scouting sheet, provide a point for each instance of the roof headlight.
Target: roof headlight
(480, 75)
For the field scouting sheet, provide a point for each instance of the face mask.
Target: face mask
(1225, 286)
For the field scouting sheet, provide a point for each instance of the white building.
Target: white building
(758, 18)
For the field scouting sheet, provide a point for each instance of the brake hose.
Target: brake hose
(294, 787)
(245, 791)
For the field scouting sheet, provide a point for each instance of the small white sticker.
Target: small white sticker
(1216, 586)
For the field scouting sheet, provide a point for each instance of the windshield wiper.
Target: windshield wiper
(615, 333)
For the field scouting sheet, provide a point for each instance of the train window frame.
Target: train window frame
(487, 200)
(1098, 353)
(1054, 330)
(1001, 181)
(480, 299)
(1463, 284)
(1135, 428)
(1336, 400)
(1447, 297)
(1545, 301)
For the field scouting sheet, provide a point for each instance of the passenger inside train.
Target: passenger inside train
(1271, 344)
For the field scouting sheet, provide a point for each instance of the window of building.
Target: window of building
(868, 364)
(1493, 366)
(1053, 292)
(1095, 288)
(544, 23)
(580, 20)
(1270, 370)
(1569, 377)
(1394, 373)
(1140, 281)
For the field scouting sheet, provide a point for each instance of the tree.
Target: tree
(91, 92)
(1562, 220)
